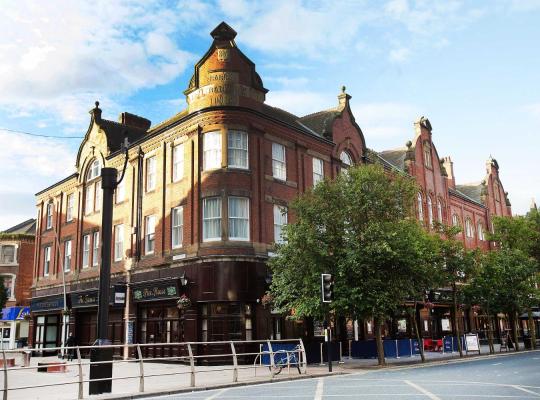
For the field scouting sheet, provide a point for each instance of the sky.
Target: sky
(471, 67)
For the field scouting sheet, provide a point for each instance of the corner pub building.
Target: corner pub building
(201, 206)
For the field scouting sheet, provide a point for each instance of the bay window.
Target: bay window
(238, 218)
(237, 149)
(211, 219)
(212, 150)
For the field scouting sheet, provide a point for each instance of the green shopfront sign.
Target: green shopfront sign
(155, 291)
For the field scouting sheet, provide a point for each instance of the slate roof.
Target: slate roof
(115, 133)
(471, 190)
(395, 157)
(27, 227)
(321, 122)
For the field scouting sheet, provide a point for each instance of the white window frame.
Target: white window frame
(177, 227)
(69, 206)
(430, 210)
(455, 220)
(420, 206)
(85, 262)
(279, 161)
(89, 199)
(281, 218)
(95, 249)
(46, 260)
(49, 215)
(439, 210)
(120, 192)
(211, 219)
(97, 198)
(468, 228)
(346, 158)
(241, 199)
(212, 150)
(3, 256)
(149, 234)
(178, 162)
(119, 242)
(318, 170)
(231, 141)
(67, 256)
(480, 231)
(94, 170)
(151, 166)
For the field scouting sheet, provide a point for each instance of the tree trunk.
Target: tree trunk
(378, 340)
(455, 320)
(532, 328)
(417, 334)
(514, 329)
(490, 332)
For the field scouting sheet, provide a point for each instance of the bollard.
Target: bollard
(322, 359)
(81, 385)
(192, 365)
(141, 369)
(397, 350)
(235, 363)
(350, 351)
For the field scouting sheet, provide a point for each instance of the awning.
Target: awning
(535, 315)
(15, 313)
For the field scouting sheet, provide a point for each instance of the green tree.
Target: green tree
(457, 265)
(360, 228)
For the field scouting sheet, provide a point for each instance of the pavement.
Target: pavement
(168, 378)
(512, 376)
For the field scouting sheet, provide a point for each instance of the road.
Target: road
(505, 377)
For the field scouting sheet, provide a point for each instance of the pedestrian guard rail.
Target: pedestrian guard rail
(397, 348)
(268, 350)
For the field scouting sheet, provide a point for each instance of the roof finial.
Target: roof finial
(343, 89)
(97, 104)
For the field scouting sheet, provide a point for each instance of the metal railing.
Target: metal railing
(189, 354)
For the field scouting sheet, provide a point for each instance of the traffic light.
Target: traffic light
(327, 288)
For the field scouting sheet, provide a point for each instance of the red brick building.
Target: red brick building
(16, 267)
(203, 202)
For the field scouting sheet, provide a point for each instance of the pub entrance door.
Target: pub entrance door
(159, 323)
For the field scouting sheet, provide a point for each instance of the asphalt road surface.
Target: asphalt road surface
(505, 377)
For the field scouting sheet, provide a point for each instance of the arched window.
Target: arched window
(430, 210)
(420, 207)
(92, 189)
(468, 228)
(345, 158)
(439, 210)
(480, 231)
(455, 220)
(427, 155)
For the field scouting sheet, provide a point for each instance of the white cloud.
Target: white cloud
(56, 57)
(399, 55)
(382, 122)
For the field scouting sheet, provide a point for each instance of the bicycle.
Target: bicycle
(286, 358)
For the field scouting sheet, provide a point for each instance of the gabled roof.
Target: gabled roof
(471, 190)
(27, 227)
(116, 132)
(395, 157)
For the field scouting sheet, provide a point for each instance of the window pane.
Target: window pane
(150, 173)
(49, 215)
(318, 170)
(177, 226)
(89, 199)
(46, 260)
(97, 205)
(237, 149)
(67, 256)
(279, 166)
(345, 158)
(280, 219)
(212, 150)
(178, 162)
(420, 207)
(86, 251)
(95, 251)
(69, 207)
(212, 218)
(8, 254)
(150, 233)
(239, 218)
(118, 242)
(121, 190)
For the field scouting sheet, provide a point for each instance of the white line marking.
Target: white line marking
(422, 390)
(496, 364)
(217, 394)
(525, 390)
(319, 389)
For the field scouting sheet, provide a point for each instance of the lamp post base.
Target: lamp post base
(102, 370)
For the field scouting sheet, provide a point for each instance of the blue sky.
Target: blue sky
(471, 67)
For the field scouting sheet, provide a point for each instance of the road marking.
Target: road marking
(525, 390)
(217, 394)
(496, 364)
(422, 390)
(319, 389)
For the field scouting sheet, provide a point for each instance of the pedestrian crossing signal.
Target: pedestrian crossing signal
(327, 288)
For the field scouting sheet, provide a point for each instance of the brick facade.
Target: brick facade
(226, 277)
